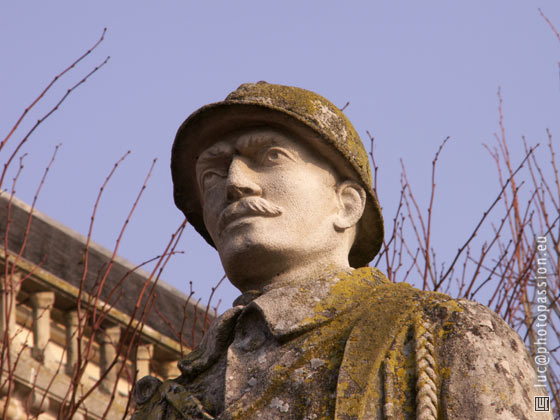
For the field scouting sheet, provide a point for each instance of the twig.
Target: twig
(550, 24)
(58, 76)
(44, 117)
(484, 216)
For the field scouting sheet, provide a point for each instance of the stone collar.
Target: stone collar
(286, 311)
(292, 309)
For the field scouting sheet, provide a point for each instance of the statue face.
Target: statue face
(268, 202)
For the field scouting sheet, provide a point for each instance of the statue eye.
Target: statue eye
(209, 179)
(274, 155)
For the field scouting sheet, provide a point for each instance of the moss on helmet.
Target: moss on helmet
(315, 111)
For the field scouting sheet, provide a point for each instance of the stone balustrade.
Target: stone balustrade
(47, 341)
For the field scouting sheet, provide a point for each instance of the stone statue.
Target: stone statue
(278, 181)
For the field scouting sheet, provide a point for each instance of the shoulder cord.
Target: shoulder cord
(426, 388)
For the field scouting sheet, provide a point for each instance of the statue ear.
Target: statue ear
(352, 201)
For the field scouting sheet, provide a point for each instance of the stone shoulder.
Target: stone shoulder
(484, 323)
(485, 369)
(483, 366)
(457, 316)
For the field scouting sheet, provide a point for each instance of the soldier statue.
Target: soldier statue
(278, 181)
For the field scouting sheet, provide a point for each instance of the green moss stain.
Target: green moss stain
(364, 331)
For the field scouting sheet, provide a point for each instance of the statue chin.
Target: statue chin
(247, 245)
(246, 258)
(251, 264)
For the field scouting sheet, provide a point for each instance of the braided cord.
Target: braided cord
(426, 388)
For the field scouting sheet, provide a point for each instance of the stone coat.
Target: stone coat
(352, 346)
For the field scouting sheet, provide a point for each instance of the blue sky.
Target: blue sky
(413, 72)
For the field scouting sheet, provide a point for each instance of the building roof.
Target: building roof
(58, 250)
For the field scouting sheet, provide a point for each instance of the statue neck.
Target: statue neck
(274, 277)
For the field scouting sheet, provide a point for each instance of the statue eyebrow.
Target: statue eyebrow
(215, 154)
(222, 152)
(249, 143)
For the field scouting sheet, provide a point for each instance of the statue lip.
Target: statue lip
(238, 221)
(244, 208)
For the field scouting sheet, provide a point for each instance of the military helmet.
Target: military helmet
(309, 117)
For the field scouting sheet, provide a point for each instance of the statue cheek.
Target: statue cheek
(211, 223)
(210, 213)
(214, 200)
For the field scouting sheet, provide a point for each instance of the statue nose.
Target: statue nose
(241, 180)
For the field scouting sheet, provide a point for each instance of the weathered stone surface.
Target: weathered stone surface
(312, 338)
(489, 373)
(145, 389)
(370, 349)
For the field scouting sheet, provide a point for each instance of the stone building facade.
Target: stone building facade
(47, 336)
